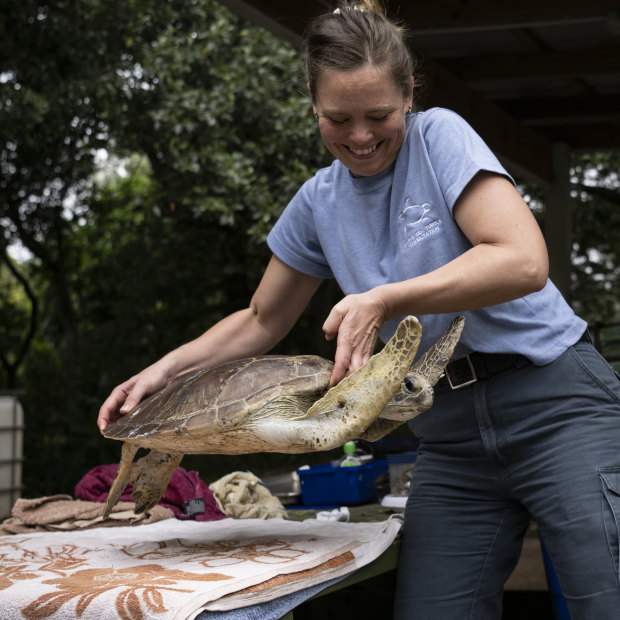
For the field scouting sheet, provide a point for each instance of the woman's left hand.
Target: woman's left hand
(355, 321)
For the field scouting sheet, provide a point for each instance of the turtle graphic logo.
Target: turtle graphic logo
(412, 216)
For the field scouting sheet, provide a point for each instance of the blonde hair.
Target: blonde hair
(354, 35)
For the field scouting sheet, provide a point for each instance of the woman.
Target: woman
(416, 216)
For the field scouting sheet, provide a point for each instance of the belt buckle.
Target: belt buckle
(456, 383)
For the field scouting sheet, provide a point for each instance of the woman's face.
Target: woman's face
(362, 118)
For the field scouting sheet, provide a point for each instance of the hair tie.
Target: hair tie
(355, 8)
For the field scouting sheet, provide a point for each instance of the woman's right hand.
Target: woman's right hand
(127, 395)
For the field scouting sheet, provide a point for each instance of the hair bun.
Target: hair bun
(372, 6)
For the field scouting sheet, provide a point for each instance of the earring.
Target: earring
(316, 116)
(409, 111)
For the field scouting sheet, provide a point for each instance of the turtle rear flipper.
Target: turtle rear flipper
(150, 477)
(123, 473)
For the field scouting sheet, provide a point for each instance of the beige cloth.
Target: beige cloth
(242, 495)
(172, 569)
(62, 512)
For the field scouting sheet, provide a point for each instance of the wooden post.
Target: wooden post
(559, 220)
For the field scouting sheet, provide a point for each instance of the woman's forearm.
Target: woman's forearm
(484, 276)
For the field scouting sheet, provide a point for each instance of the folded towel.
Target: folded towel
(242, 495)
(62, 512)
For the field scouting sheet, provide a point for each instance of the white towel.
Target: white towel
(175, 569)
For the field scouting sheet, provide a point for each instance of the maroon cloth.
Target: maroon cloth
(184, 486)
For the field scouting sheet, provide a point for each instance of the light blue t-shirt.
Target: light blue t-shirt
(398, 225)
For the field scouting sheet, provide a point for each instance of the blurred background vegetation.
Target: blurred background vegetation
(147, 148)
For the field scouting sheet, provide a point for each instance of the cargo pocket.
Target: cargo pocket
(610, 478)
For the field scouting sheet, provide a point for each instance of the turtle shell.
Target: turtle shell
(222, 398)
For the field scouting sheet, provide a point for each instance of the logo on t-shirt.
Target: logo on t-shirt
(416, 224)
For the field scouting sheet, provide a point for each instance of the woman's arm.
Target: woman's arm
(279, 300)
(508, 260)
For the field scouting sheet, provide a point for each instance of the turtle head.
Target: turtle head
(358, 399)
(416, 395)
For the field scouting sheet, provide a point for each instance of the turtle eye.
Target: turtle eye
(409, 384)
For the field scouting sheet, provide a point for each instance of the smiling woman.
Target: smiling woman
(362, 117)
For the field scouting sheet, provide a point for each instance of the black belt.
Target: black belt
(479, 366)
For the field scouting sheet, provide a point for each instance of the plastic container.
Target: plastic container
(11, 452)
(285, 487)
(326, 485)
(349, 459)
(401, 467)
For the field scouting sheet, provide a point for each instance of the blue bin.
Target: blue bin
(326, 485)
(558, 602)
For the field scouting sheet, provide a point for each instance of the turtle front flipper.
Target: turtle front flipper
(358, 400)
(121, 479)
(416, 393)
(150, 477)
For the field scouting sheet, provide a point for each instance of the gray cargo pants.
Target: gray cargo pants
(541, 442)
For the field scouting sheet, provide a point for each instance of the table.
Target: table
(529, 575)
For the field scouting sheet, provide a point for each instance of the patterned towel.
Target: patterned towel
(175, 569)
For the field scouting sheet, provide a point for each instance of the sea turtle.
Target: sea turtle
(274, 404)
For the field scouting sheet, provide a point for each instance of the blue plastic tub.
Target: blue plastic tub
(558, 602)
(325, 485)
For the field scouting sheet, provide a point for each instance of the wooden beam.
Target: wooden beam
(286, 20)
(540, 64)
(523, 151)
(587, 137)
(558, 221)
(564, 110)
(445, 16)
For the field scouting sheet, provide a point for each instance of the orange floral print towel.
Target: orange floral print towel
(175, 569)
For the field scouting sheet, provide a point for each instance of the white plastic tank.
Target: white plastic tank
(11, 451)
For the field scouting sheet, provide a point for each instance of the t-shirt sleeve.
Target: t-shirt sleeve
(457, 153)
(294, 238)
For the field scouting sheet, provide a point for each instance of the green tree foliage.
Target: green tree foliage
(595, 215)
(18, 314)
(209, 114)
(596, 242)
